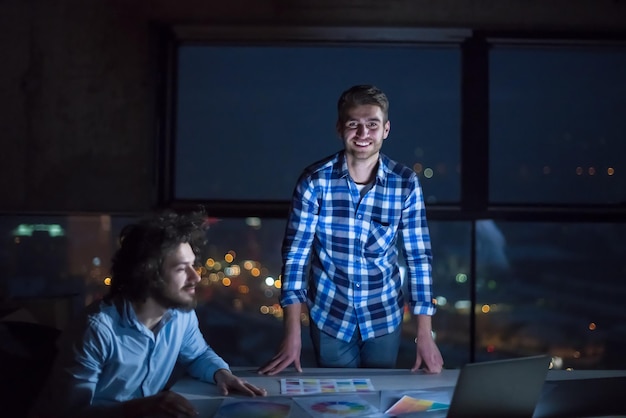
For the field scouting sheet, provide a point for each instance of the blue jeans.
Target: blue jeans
(380, 352)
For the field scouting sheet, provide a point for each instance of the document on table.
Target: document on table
(295, 386)
(334, 406)
(405, 402)
(257, 407)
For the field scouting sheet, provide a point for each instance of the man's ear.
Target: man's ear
(386, 129)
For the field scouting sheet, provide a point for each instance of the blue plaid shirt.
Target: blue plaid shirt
(340, 252)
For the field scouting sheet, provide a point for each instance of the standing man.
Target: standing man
(340, 253)
(118, 358)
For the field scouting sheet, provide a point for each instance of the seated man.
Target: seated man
(118, 358)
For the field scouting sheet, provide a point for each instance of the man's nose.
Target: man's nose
(194, 276)
(361, 130)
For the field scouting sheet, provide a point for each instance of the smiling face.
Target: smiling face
(180, 280)
(363, 129)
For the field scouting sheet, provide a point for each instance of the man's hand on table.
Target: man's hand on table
(226, 381)
(289, 353)
(427, 353)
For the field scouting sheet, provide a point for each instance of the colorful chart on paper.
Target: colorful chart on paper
(244, 408)
(408, 404)
(339, 407)
(332, 406)
(293, 386)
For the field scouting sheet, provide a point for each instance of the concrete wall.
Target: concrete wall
(77, 85)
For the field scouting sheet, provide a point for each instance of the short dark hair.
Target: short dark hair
(362, 94)
(136, 265)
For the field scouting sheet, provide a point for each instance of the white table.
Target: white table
(207, 400)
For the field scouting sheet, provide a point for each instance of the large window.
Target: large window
(67, 260)
(528, 256)
(248, 119)
(508, 272)
(557, 124)
(552, 287)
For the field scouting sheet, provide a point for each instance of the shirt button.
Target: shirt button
(359, 216)
(358, 284)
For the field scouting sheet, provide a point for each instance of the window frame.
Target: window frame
(474, 142)
(173, 37)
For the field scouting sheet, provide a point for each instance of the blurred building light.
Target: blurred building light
(26, 230)
(461, 278)
(462, 304)
(232, 270)
(253, 222)
(556, 363)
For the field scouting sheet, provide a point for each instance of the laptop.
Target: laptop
(501, 388)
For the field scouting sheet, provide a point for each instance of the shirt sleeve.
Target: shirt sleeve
(297, 243)
(196, 355)
(417, 252)
(71, 385)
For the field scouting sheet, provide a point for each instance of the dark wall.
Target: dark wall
(77, 80)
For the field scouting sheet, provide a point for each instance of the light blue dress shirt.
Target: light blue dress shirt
(111, 357)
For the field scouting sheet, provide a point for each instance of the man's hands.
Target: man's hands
(429, 354)
(289, 353)
(227, 381)
(427, 351)
(172, 405)
(291, 346)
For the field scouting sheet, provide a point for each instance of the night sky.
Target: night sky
(249, 119)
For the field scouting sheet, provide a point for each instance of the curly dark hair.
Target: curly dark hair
(136, 265)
